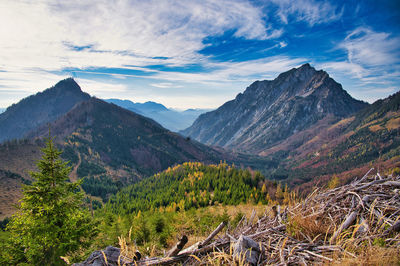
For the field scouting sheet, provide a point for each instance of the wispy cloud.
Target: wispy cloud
(345, 67)
(367, 47)
(373, 57)
(148, 48)
(372, 64)
(48, 36)
(310, 11)
(117, 33)
(225, 72)
(101, 89)
(165, 85)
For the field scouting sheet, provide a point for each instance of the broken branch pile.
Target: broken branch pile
(326, 226)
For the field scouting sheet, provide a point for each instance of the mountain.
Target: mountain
(270, 111)
(39, 109)
(171, 119)
(347, 148)
(107, 145)
(2, 110)
(139, 107)
(111, 140)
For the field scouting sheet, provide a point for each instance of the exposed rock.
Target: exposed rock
(247, 248)
(271, 111)
(110, 256)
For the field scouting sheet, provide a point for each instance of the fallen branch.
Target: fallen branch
(213, 234)
(178, 247)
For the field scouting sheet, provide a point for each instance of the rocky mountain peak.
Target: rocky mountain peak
(271, 110)
(67, 85)
(39, 109)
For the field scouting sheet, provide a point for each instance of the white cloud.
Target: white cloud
(346, 67)
(17, 84)
(311, 11)
(101, 89)
(49, 36)
(41, 34)
(367, 47)
(226, 72)
(372, 66)
(165, 85)
(282, 44)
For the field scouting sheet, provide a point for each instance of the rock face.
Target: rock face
(39, 109)
(271, 111)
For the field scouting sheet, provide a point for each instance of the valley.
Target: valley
(212, 132)
(294, 133)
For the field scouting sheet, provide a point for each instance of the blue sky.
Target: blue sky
(195, 54)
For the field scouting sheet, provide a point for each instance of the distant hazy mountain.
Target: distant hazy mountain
(39, 109)
(2, 110)
(268, 112)
(171, 119)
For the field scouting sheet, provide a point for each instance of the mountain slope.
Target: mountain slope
(121, 143)
(40, 109)
(271, 111)
(191, 185)
(171, 119)
(350, 147)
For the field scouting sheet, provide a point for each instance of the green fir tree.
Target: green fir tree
(51, 221)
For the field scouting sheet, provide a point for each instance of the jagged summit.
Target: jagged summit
(39, 109)
(272, 110)
(68, 84)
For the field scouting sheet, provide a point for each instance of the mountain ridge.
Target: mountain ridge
(269, 111)
(36, 110)
(122, 138)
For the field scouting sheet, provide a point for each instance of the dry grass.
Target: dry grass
(348, 225)
(375, 128)
(372, 256)
(309, 227)
(393, 123)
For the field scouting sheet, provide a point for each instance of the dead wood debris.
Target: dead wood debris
(352, 215)
(326, 226)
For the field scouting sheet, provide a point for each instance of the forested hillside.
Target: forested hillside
(188, 198)
(195, 185)
(371, 138)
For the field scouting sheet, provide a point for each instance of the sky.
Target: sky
(195, 53)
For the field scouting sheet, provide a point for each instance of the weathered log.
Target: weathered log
(392, 183)
(212, 235)
(369, 184)
(182, 256)
(249, 249)
(394, 228)
(349, 221)
(178, 247)
(363, 178)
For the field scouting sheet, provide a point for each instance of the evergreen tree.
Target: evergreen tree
(50, 221)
